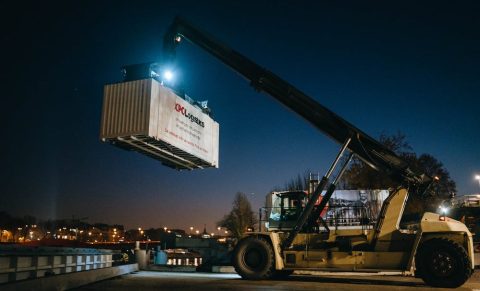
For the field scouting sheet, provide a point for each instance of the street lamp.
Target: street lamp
(477, 177)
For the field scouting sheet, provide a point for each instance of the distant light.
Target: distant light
(168, 75)
(477, 177)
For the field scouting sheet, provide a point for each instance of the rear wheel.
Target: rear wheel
(254, 259)
(443, 263)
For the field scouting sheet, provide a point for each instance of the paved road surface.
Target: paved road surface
(145, 280)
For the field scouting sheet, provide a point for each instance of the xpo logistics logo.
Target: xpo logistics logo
(182, 110)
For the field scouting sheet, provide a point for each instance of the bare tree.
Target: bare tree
(240, 218)
(361, 176)
(301, 182)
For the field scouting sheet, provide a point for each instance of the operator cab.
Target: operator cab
(286, 209)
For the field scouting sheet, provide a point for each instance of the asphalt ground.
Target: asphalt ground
(150, 280)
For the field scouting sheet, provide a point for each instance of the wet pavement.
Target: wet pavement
(148, 280)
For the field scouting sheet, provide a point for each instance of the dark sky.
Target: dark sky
(385, 66)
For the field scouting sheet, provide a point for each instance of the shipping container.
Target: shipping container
(147, 117)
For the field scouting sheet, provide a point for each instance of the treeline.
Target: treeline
(10, 222)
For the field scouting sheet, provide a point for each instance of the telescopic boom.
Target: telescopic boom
(365, 147)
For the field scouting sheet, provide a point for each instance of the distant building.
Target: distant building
(183, 257)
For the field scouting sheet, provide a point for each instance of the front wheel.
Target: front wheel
(443, 263)
(254, 259)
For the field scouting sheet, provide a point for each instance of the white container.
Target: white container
(149, 118)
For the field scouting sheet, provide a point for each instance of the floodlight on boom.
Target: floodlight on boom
(168, 75)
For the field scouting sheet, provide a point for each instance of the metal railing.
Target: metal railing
(335, 216)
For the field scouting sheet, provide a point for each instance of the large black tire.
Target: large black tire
(443, 263)
(253, 259)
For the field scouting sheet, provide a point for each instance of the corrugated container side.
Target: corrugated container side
(126, 109)
(154, 108)
(149, 118)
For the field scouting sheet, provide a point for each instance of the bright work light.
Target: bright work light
(168, 75)
(444, 210)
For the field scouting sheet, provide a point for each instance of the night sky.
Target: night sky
(385, 66)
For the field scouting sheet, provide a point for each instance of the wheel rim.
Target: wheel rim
(443, 264)
(254, 258)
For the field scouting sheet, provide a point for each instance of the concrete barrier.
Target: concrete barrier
(170, 268)
(23, 262)
(68, 281)
(223, 269)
